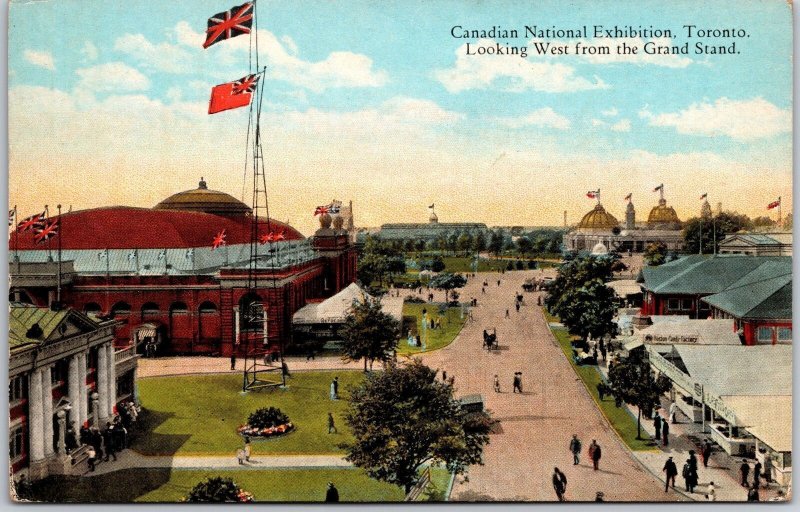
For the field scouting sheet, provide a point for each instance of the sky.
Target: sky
(377, 103)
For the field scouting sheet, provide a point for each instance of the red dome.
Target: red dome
(120, 227)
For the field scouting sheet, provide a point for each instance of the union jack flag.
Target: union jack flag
(280, 236)
(774, 204)
(32, 222)
(231, 23)
(46, 231)
(592, 194)
(266, 237)
(321, 210)
(219, 240)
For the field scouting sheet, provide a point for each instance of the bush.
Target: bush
(510, 266)
(531, 264)
(519, 265)
(413, 299)
(218, 490)
(267, 417)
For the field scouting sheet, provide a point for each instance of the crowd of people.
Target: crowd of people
(105, 443)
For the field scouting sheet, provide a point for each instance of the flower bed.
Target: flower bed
(266, 422)
(218, 490)
(247, 430)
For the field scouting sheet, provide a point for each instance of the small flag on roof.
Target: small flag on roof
(219, 240)
(774, 204)
(32, 222)
(46, 231)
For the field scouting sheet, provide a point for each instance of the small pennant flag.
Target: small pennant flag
(32, 222)
(592, 194)
(46, 231)
(704, 196)
(232, 94)
(629, 196)
(11, 215)
(431, 206)
(660, 187)
(236, 21)
(266, 238)
(774, 204)
(219, 240)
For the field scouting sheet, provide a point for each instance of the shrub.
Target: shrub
(531, 264)
(519, 265)
(510, 266)
(218, 490)
(267, 417)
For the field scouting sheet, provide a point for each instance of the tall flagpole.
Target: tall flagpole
(59, 235)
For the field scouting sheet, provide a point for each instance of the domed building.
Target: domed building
(599, 228)
(430, 231)
(159, 272)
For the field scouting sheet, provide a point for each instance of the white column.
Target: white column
(74, 393)
(47, 410)
(36, 428)
(102, 385)
(83, 401)
(112, 379)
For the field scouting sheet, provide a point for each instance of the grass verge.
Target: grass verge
(436, 338)
(619, 417)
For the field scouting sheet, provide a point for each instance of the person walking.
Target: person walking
(657, 425)
(744, 471)
(665, 433)
(331, 424)
(92, 458)
(496, 384)
(559, 483)
(705, 452)
(240, 456)
(595, 452)
(671, 471)
(332, 494)
(333, 390)
(248, 449)
(711, 492)
(575, 448)
(756, 474)
(673, 409)
(507, 314)
(517, 382)
(517, 306)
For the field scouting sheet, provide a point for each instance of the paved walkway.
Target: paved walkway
(538, 424)
(131, 459)
(164, 366)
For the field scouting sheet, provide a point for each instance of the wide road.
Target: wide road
(538, 424)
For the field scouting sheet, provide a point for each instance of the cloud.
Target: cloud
(623, 125)
(612, 112)
(340, 69)
(89, 52)
(545, 117)
(164, 56)
(511, 73)
(741, 120)
(40, 59)
(112, 77)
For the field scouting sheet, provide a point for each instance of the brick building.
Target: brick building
(156, 273)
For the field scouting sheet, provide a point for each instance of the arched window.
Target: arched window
(251, 313)
(121, 309)
(150, 310)
(178, 308)
(207, 308)
(92, 308)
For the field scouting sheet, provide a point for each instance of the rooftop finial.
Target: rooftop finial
(202, 184)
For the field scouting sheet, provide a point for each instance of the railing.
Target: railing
(420, 486)
(124, 354)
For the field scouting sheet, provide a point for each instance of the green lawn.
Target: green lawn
(436, 338)
(619, 417)
(165, 485)
(199, 414)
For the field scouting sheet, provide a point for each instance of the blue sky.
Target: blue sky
(370, 101)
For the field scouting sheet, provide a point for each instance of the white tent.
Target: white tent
(334, 310)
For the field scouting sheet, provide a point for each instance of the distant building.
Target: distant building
(64, 373)
(757, 244)
(599, 227)
(430, 231)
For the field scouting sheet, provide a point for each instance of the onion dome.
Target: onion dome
(204, 200)
(598, 219)
(663, 217)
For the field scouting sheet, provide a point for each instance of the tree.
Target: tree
(377, 260)
(369, 333)
(722, 224)
(404, 417)
(524, 245)
(447, 281)
(464, 242)
(479, 242)
(655, 254)
(633, 382)
(580, 298)
(496, 243)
